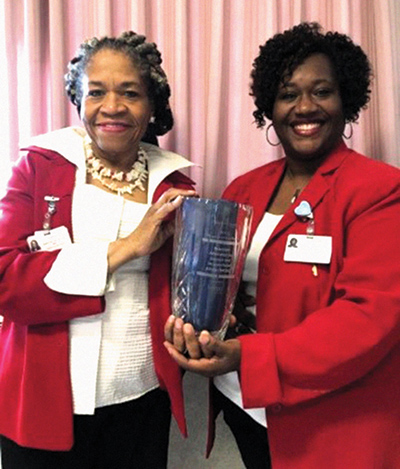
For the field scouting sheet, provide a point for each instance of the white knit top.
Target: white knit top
(125, 367)
(229, 383)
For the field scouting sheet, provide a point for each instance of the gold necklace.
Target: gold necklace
(297, 190)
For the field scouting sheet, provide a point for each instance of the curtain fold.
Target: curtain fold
(208, 48)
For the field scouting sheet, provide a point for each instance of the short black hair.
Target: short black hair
(144, 55)
(284, 52)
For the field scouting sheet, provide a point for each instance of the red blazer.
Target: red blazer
(325, 362)
(35, 391)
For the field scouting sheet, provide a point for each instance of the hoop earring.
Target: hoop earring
(268, 140)
(348, 137)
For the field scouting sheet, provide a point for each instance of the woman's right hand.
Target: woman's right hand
(151, 233)
(203, 353)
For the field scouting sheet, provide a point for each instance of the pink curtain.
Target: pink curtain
(208, 48)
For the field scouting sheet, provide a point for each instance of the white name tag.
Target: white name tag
(49, 240)
(309, 249)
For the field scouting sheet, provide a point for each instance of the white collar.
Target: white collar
(68, 143)
(161, 164)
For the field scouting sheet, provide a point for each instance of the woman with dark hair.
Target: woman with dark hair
(85, 381)
(317, 383)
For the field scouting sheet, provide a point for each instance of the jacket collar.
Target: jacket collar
(68, 143)
(162, 163)
(313, 192)
(316, 188)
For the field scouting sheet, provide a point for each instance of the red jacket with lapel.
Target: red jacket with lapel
(326, 360)
(35, 391)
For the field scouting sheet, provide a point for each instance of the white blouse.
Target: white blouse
(229, 383)
(125, 366)
(110, 353)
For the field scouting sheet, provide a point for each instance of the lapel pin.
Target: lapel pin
(303, 209)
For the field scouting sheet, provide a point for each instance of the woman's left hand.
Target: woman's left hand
(151, 233)
(204, 354)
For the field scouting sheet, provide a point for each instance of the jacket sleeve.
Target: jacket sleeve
(24, 297)
(338, 344)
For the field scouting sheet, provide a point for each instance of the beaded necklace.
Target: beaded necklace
(136, 176)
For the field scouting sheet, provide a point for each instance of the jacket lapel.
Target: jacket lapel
(315, 190)
(261, 191)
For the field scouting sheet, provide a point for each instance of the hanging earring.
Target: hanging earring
(347, 137)
(268, 140)
(152, 120)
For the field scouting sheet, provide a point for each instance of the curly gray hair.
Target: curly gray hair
(144, 55)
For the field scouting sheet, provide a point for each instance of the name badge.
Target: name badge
(309, 249)
(49, 240)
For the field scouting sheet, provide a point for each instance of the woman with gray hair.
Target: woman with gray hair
(85, 381)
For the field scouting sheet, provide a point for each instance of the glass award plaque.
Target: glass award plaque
(210, 244)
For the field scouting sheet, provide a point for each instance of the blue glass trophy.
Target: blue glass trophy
(210, 244)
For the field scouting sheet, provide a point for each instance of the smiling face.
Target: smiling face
(307, 115)
(115, 107)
